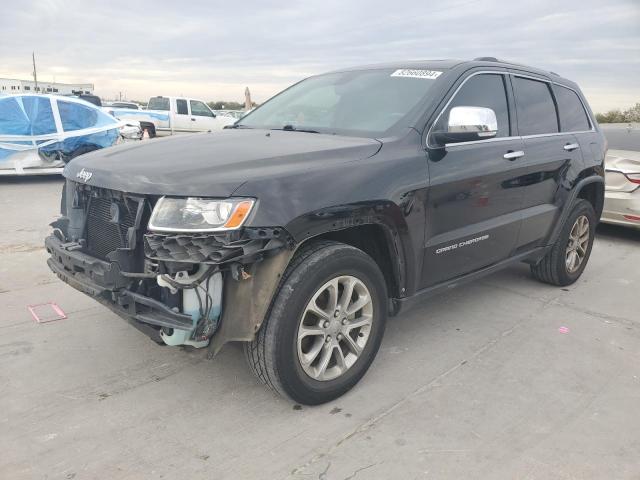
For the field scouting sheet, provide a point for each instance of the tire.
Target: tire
(275, 356)
(555, 267)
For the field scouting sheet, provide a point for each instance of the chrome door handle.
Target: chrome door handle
(569, 147)
(513, 155)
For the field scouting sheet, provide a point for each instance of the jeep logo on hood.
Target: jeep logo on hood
(84, 175)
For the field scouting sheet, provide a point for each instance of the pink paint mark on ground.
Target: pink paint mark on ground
(46, 312)
(563, 330)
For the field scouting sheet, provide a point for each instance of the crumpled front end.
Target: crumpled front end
(181, 289)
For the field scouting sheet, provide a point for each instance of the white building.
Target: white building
(10, 86)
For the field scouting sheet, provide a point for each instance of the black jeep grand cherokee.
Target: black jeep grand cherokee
(338, 202)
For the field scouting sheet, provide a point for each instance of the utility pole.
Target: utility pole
(35, 74)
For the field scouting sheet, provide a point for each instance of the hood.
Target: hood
(213, 164)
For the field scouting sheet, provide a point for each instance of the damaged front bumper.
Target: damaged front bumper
(181, 289)
(104, 281)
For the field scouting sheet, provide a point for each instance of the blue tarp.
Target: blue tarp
(43, 131)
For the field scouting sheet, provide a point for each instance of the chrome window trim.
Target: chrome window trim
(522, 137)
(488, 140)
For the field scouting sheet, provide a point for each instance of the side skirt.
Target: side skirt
(399, 305)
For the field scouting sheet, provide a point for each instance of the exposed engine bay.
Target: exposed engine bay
(172, 286)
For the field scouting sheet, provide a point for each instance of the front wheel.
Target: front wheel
(325, 325)
(566, 260)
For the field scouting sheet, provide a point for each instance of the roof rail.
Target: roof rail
(486, 59)
(554, 73)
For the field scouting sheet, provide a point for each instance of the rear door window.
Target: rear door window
(573, 117)
(181, 107)
(534, 106)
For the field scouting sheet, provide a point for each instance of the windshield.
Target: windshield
(363, 103)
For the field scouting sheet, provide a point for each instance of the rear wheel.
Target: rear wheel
(325, 325)
(567, 259)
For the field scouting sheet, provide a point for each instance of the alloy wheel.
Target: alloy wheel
(578, 243)
(334, 328)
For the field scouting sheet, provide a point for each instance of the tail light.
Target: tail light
(633, 177)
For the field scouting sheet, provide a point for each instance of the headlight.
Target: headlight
(199, 214)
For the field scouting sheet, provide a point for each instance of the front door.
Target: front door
(202, 118)
(472, 213)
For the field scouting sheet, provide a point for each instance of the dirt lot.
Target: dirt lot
(477, 383)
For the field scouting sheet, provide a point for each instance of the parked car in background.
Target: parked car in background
(235, 114)
(170, 115)
(41, 133)
(622, 193)
(342, 200)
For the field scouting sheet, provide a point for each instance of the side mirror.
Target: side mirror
(467, 124)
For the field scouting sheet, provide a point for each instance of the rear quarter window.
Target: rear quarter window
(535, 107)
(75, 116)
(573, 117)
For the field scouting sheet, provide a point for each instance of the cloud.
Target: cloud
(213, 49)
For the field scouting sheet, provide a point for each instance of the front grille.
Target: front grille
(103, 234)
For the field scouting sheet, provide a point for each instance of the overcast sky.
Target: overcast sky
(213, 49)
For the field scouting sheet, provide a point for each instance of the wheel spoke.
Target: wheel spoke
(362, 321)
(333, 295)
(310, 330)
(347, 292)
(317, 311)
(340, 361)
(325, 358)
(309, 357)
(574, 231)
(353, 346)
(362, 301)
(584, 226)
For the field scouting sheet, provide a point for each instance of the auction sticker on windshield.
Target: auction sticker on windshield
(412, 73)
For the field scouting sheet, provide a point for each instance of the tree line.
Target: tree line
(620, 116)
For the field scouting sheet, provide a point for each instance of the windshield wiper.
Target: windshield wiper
(236, 125)
(291, 128)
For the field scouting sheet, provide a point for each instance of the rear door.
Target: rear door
(549, 156)
(182, 118)
(473, 206)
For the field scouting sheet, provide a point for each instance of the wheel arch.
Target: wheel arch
(377, 241)
(590, 188)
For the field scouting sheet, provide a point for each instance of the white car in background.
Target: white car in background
(622, 174)
(171, 115)
(622, 190)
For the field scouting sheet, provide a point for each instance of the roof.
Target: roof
(447, 64)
